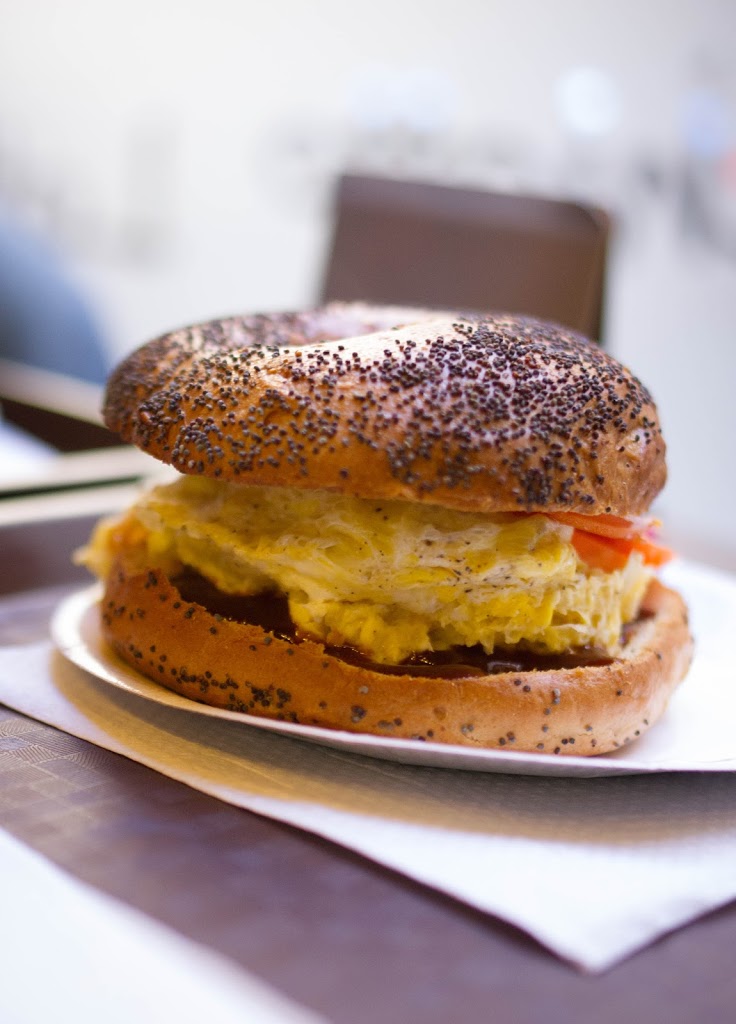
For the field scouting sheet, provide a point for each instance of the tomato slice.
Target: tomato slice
(611, 553)
(652, 553)
(604, 525)
(606, 541)
(606, 553)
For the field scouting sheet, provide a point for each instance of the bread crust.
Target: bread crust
(578, 711)
(477, 413)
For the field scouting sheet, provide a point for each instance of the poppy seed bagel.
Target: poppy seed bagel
(475, 470)
(482, 413)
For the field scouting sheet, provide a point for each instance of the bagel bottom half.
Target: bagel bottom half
(192, 645)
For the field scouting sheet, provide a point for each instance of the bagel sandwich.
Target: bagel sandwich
(395, 521)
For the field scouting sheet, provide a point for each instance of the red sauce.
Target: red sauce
(271, 612)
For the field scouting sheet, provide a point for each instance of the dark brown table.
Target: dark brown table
(337, 933)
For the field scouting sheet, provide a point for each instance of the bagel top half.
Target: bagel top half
(474, 413)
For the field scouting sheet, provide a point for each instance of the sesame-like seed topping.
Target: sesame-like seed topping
(471, 412)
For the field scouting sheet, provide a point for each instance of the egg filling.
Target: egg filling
(389, 578)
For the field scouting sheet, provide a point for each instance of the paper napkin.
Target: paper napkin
(103, 961)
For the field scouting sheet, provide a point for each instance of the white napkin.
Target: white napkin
(593, 868)
(103, 961)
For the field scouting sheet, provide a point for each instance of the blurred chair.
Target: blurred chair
(413, 243)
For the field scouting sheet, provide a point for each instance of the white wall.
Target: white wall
(180, 154)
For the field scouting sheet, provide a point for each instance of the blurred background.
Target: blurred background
(165, 162)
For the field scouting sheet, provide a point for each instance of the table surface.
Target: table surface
(353, 941)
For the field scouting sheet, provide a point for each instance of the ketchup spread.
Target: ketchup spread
(270, 611)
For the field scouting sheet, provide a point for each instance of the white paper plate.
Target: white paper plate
(695, 735)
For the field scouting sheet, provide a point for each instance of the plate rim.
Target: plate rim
(74, 619)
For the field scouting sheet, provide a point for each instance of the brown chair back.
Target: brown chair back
(414, 243)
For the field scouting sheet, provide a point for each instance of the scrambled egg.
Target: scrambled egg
(388, 578)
